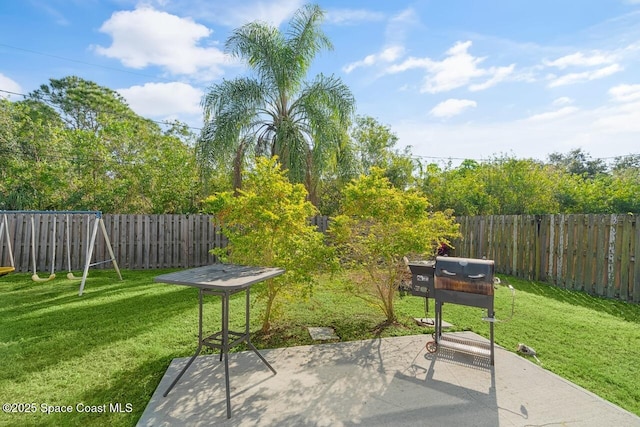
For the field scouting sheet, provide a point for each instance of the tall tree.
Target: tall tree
(376, 147)
(76, 145)
(276, 112)
(578, 162)
(82, 104)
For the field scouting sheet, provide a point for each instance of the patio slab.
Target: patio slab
(380, 382)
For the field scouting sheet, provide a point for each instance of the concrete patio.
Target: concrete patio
(380, 382)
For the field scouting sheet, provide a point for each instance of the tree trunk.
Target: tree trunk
(266, 320)
(237, 168)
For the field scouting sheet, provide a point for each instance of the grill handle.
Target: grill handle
(470, 276)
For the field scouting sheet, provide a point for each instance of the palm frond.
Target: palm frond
(306, 38)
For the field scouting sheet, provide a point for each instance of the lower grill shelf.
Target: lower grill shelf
(465, 346)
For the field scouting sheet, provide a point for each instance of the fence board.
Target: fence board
(636, 264)
(625, 258)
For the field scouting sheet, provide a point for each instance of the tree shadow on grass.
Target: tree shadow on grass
(62, 327)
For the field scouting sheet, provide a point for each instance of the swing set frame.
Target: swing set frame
(98, 223)
(4, 230)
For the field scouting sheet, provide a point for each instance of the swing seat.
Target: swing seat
(39, 279)
(6, 270)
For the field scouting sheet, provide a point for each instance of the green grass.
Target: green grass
(113, 344)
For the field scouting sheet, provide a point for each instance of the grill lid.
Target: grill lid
(465, 268)
(464, 275)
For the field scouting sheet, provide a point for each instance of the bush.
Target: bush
(378, 227)
(267, 224)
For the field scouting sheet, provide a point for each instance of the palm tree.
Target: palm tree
(276, 112)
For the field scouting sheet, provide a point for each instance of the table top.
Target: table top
(222, 277)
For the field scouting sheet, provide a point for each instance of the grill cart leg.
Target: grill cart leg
(432, 346)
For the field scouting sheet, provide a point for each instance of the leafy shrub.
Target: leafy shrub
(378, 227)
(267, 224)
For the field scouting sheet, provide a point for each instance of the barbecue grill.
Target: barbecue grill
(468, 282)
(422, 278)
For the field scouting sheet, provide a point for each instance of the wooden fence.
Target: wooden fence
(592, 253)
(138, 241)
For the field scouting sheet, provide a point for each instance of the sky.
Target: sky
(455, 79)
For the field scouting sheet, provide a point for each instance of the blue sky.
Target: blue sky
(453, 79)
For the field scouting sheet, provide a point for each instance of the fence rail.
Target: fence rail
(592, 253)
(139, 241)
(598, 254)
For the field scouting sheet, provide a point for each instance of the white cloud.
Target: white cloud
(395, 34)
(563, 100)
(458, 69)
(388, 54)
(452, 107)
(58, 17)
(552, 115)
(454, 71)
(163, 99)
(10, 86)
(234, 14)
(399, 25)
(352, 16)
(499, 74)
(145, 37)
(620, 119)
(625, 93)
(585, 76)
(579, 59)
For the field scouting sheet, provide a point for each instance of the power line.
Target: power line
(83, 62)
(165, 123)
(13, 93)
(417, 156)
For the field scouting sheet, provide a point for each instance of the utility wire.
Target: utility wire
(166, 123)
(82, 62)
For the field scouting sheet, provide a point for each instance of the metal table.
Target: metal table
(223, 280)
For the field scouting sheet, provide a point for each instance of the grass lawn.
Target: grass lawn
(113, 344)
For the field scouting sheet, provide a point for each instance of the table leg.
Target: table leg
(224, 303)
(225, 348)
(248, 334)
(198, 350)
(492, 315)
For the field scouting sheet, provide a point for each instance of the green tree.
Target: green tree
(462, 189)
(502, 186)
(577, 162)
(30, 177)
(276, 112)
(376, 147)
(520, 186)
(267, 224)
(76, 145)
(380, 225)
(81, 104)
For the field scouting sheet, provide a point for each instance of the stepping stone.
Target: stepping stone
(323, 334)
